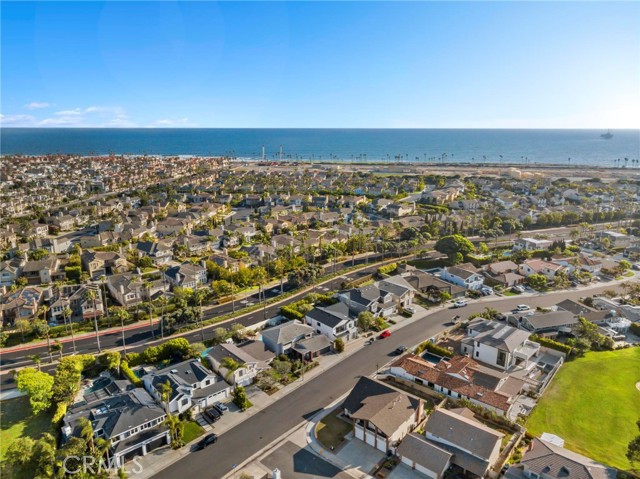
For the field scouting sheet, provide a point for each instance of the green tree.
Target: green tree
(283, 368)
(633, 451)
(365, 320)
(452, 244)
(20, 452)
(240, 398)
(537, 281)
(37, 385)
(338, 345)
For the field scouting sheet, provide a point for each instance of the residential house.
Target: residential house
(282, 338)
(461, 377)
(614, 239)
(464, 275)
(11, 270)
(546, 460)
(251, 356)
(126, 289)
(382, 298)
(43, 271)
(103, 263)
(589, 264)
(550, 323)
(431, 286)
(424, 456)
(192, 386)
(125, 415)
(381, 416)
(397, 210)
(160, 252)
(333, 322)
(501, 267)
(78, 298)
(186, 275)
(498, 344)
(22, 303)
(530, 244)
(475, 447)
(539, 266)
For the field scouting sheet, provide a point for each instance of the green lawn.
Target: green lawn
(593, 404)
(331, 430)
(17, 420)
(192, 430)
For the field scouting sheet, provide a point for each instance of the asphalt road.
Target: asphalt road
(140, 338)
(255, 433)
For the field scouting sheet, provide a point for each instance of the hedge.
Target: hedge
(131, 376)
(386, 269)
(433, 348)
(550, 343)
(58, 416)
(291, 313)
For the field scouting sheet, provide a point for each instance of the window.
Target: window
(502, 358)
(318, 323)
(477, 354)
(184, 402)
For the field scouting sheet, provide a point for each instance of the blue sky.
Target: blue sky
(312, 64)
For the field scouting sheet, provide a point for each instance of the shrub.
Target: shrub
(550, 343)
(240, 398)
(291, 313)
(338, 345)
(389, 268)
(433, 348)
(59, 414)
(130, 375)
(635, 328)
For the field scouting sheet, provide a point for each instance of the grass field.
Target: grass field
(192, 430)
(16, 420)
(331, 430)
(593, 404)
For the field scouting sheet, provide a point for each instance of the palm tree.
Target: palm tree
(163, 298)
(199, 295)
(103, 446)
(91, 295)
(66, 314)
(165, 391)
(103, 280)
(44, 310)
(147, 288)
(122, 314)
(86, 431)
(57, 347)
(36, 359)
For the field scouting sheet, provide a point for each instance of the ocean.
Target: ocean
(565, 147)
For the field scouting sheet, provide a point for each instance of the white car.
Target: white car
(460, 303)
(522, 307)
(411, 309)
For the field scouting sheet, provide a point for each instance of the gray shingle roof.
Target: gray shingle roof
(330, 316)
(467, 434)
(425, 453)
(287, 332)
(558, 462)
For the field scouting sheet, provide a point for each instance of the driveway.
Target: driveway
(297, 463)
(359, 455)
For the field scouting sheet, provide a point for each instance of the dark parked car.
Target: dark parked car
(400, 350)
(213, 414)
(208, 440)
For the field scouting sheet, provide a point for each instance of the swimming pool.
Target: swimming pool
(432, 358)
